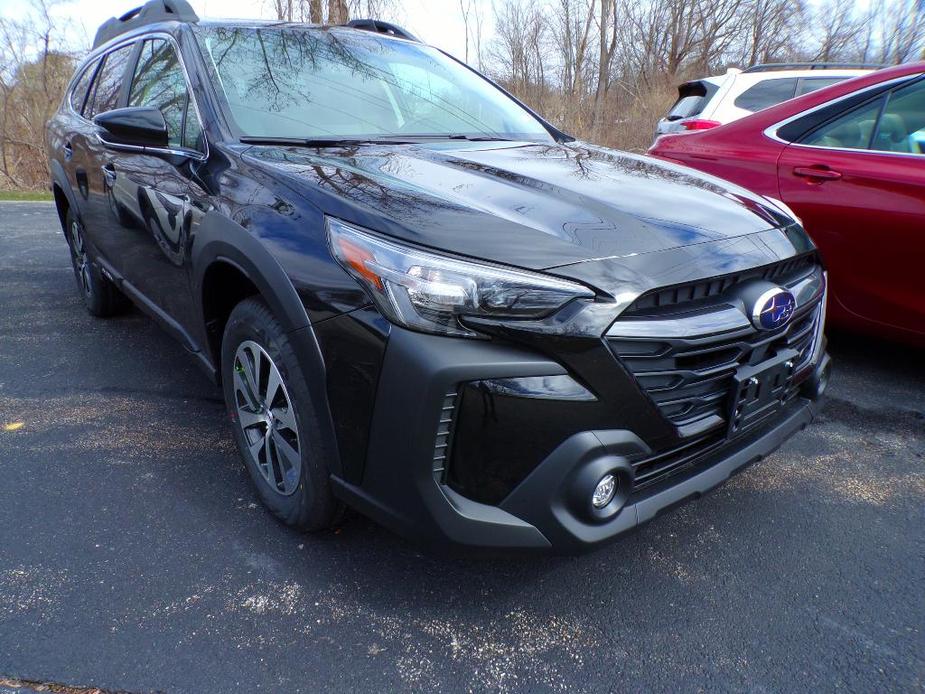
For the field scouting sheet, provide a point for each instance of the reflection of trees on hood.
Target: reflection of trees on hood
(343, 174)
(646, 167)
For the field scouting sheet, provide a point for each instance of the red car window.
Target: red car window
(902, 125)
(850, 131)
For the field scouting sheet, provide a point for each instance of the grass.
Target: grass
(32, 195)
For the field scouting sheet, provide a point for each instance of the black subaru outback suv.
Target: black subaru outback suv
(421, 299)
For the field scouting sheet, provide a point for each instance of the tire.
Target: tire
(279, 440)
(100, 296)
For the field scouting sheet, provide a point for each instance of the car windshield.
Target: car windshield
(311, 83)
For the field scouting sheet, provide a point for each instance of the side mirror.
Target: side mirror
(136, 126)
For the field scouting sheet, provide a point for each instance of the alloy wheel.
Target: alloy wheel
(267, 418)
(79, 258)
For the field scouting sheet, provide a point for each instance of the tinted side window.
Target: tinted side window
(799, 128)
(159, 81)
(767, 93)
(852, 130)
(79, 93)
(109, 80)
(811, 84)
(902, 125)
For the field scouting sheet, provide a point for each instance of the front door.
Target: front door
(156, 198)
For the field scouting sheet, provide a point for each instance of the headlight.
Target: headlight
(430, 292)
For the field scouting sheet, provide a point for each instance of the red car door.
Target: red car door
(858, 183)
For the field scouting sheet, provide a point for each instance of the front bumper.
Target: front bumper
(404, 488)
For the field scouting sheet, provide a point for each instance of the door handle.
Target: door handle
(68, 151)
(817, 173)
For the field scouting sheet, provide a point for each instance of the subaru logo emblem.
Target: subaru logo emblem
(774, 309)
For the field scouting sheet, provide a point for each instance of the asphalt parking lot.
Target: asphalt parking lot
(134, 555)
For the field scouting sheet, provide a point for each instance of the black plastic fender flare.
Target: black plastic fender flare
(59, 179)
(219, 239)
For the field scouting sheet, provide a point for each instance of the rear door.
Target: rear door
(858, 182)
(68, 131)
(92, 158)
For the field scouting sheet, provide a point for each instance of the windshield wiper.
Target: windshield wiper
(320, 141)
(461, 136)
(352, 142)
(479, 138)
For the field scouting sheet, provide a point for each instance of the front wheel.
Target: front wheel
(274, 420)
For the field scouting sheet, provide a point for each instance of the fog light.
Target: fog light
(604, 491)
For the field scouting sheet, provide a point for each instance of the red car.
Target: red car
(850, 162)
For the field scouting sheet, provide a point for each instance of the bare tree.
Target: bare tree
(901, 28)
(332, 11)
(283, 10)
(607, 36)
(518, 54)
(470, 10)
(465, 9)
(35, 68)
(573, 21)
(770, 31)
(841, 30)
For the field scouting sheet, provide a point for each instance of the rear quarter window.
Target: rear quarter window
(109, 81)
(79, 92)
(767, 93)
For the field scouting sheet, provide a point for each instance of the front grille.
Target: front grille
(690, 378)
(785, 273)
(660, 466)
(690, 373)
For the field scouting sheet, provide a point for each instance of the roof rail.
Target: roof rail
(381, 27)
(768, 67)
(149, 13)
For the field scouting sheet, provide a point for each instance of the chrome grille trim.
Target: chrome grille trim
(717, 318)
(724, 319)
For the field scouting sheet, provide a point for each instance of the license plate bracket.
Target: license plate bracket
(759, 391)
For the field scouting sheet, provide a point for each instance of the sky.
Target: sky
(437, 22)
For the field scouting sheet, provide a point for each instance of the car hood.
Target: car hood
(530, 205)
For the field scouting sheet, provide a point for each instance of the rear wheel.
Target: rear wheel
(274, 420)
(99, 294)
